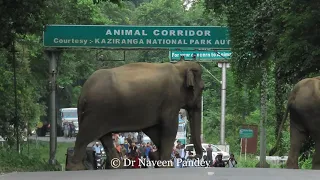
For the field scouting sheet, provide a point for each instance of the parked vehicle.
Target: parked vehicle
(98, 159)
(67, 115)
(215, 151)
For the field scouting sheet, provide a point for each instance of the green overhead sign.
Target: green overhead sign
(246, 133)
(200, 55)
(104, 36)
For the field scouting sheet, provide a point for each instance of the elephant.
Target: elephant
(136, 97)
(303, 106)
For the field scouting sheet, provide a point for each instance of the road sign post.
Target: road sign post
(53, 58)
(223, 66)
(245, 134)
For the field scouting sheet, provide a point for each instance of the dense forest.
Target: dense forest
(275, 43)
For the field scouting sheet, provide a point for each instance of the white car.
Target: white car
(215, 151)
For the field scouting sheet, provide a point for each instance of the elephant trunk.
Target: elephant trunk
(195, 127)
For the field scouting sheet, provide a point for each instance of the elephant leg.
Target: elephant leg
(297, 137)
(169, 128)
(111, 151)
(82, 141)
(154, 134)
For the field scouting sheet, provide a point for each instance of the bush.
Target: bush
(250, 162)
(33, 157)
(11, 161)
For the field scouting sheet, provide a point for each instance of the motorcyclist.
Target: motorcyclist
(97, 149)
(218, 162)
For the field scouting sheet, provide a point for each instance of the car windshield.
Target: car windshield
(214, 149)
(69, 114)
(189, 148)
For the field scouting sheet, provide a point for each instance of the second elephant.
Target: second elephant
(304, 108)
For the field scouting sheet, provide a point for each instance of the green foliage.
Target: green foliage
(307, 164)
(276, 34)
(33, 157)
(12, 161)
(12, 21)
(250, 161)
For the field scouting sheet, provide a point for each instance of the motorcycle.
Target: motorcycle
(98, 158)
(101, 159)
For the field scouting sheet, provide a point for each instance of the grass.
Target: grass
(251, 161)
(42, 148)
(33, 157)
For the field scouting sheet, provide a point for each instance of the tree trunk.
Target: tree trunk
(263, 112)
(279, 105)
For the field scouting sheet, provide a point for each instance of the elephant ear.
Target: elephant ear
(190, 78)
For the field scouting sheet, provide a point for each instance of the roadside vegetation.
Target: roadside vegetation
(33, 157)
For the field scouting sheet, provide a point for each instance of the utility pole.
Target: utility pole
(194, 58)
(224, 66)
(53, 57)
(263, 111)
(202, 139)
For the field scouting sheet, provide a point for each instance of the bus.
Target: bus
(182, 131)
(68, 115)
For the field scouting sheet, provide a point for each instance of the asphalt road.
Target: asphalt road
(171, 173)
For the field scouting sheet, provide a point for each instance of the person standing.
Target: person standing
(147, 151)
(142, 150)
(209, 155)
(126, 146)
(140, 138)
(232, 161)
(123, 151)
(182, 154)
(176, 160)
(133, 150)
(129, 139)
(70, 130)
(121, 139)
(66, 130)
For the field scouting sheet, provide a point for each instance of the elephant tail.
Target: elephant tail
(275, 148)
(81, 109)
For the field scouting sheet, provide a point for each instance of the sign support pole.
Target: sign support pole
(224, 66)
(202, 118)
(53, 56)
(245, 149)
(240, 148)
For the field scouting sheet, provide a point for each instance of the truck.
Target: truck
(68, 115)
